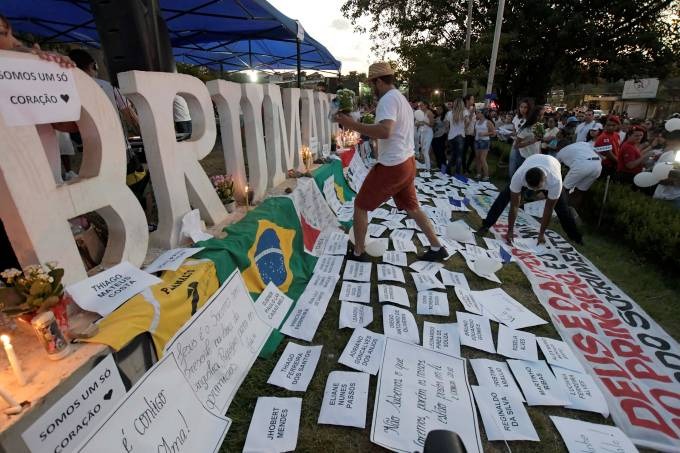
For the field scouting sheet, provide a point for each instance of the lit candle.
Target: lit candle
(14, 406)
(13, 360)
(247, 202)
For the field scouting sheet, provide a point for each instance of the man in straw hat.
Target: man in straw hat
(393, 176)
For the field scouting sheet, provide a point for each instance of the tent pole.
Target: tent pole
(299, 64)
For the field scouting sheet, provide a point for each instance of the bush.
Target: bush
(650, 227)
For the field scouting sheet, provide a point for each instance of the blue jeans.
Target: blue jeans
(515, 161)
(456, 146)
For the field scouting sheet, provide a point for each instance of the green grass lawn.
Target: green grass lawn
(649, 286)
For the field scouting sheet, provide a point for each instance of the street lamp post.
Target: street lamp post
(468, 26)
(494, 48)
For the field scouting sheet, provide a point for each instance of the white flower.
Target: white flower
(9, 274)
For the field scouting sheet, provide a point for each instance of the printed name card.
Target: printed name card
(272, 305)
(503, 415)
(160, 413)
(432, 303)
(538, 384)
(73, 418)
(345, 399)
(357, 271)
(400, 324)
(389, 272)
(424, 282)
(495, 375)
(441, 338)
(559, 354)
(394, 294)
(217, 347)
(426, 267)
(106, 291)
(329, 264)
(364, 351)
(583, 393)
(355, 315)
(171, 260)
(274, 426)
(420, 391)
(356, 292)
(590, 437)
(475, 331)
(37, 92)
(517, 344)
(295, 367)
(450, 278)
(396, 258)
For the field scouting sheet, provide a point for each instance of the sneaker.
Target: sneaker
(361, 258)
(432, 255)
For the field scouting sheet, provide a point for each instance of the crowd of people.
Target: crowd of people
(458, 135)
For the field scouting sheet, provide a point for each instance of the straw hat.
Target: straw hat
(379, 69)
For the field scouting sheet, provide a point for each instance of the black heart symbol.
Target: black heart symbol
(107, 395)
(65, 97)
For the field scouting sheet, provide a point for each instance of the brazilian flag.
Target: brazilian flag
(266, 246)
(334, 168)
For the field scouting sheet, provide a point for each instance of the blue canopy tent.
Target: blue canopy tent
(225, 35)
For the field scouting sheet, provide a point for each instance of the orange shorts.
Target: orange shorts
(383, 182)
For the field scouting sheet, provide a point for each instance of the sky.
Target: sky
(324, 21)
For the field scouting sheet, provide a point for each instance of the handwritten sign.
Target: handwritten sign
(503, 415)
(106, 291)
(364, 351)
(36, 92)
(217, 347)
(345, 399)
(420, 391)
(274, 426)
(559, 354)
(538, 384)
(160, 413)
(495, 375)
(272, 305)
(590, 437)
(73, 418)
(389, 272)
(295, 367)
(331, 195)
(394, 294)
(475, 331)
(441, 338)
(517, 344)
(432, 303)
(400, 324)
(171, 260)
(354, 315)
(583, 393)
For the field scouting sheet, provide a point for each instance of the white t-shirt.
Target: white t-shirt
(578, 151)
(399, 146)
(518, 122)
(532, 149)
(469, 120)
(663, 192)
(180, 110)
(455, 128)
(551, 168)
(582, 130)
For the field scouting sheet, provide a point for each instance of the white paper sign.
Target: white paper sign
(73, 418)
(420, 391)
(517, 344)
(355, 315)
(404, 245)
(345, 399)
(495, 375)
(394, 294)
(306, 316)
(475, 331)
(356, 292)
(538, 384)
(216, 348)
(592, 438)
(583, 393)
(432, 303)
(322, 282)
(507, 310)
(336, 243)
(469, 301)
(171, 260)
(106, 291)
(295, 367)
(272, 305)
(400, 324)
(274, 426)
(442, 338)
(159, 413)
(450, 278)
(388, 272)
(36, 92)
(329, 264)
(376, 230)
(559, 354)
(426, 267)
(331, 195)
(364, 351)
(357, 271)
(426, 281)
(396, 258)
(503, 415)
(424, 241)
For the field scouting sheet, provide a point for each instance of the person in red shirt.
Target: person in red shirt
(608, 144)
(631, 159)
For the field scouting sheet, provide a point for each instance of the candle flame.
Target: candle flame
(5, 340)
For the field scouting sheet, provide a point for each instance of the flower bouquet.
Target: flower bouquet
(368, 118)
(224, 186)
(538, 130)
(344, 102)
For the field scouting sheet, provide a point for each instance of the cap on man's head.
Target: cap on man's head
(614, 119)
(572, 119)
(379, 69)
(596, 127)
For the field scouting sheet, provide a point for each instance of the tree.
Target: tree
(543, 42)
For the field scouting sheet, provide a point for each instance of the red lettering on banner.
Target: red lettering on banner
(617, 371)
(598, 310)
(632, 409)
(624, 388)
(532, 263)
(589, 345)
(641, 370)
(554, 287)
(577, 322)
(658, 394)
(562, 304)
(625, 348)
